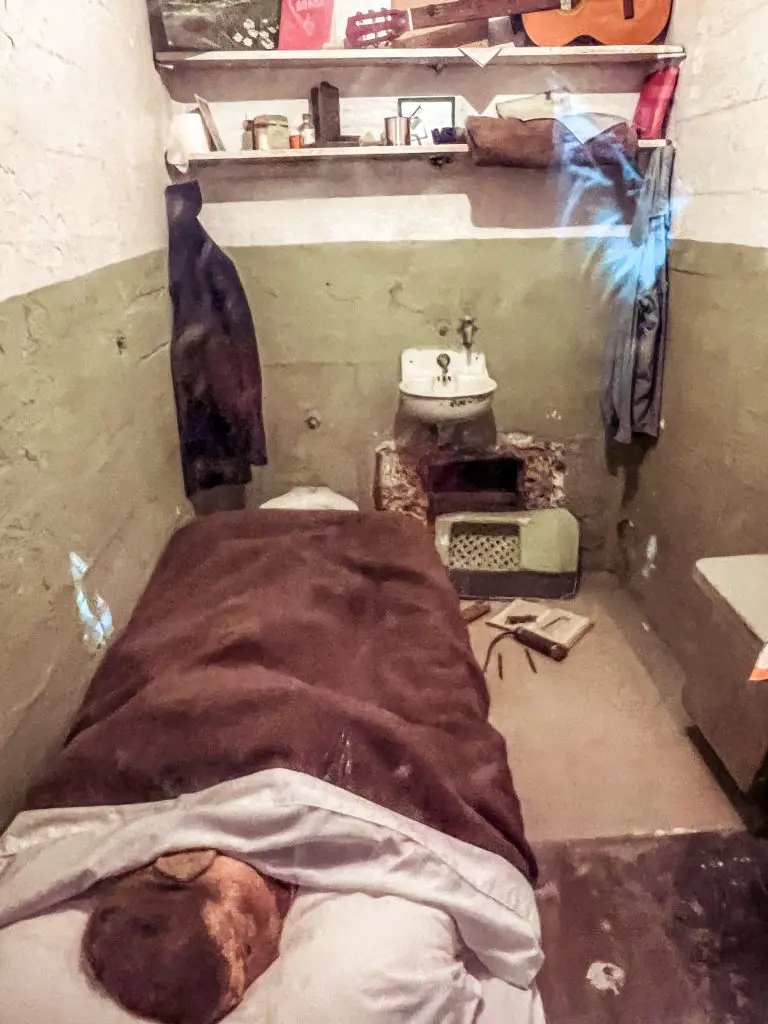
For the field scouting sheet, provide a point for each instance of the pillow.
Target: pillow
(345, 959)
(349, 958)
(40, 975)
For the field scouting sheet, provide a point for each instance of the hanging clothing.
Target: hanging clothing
(214, 356)
(636, 346)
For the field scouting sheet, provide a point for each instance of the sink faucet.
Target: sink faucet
(467, 330)
(444, 361)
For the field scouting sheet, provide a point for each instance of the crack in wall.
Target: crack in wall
(749, 191)
(162, 347)
(689, 273)
(29, 455)
(56, 56)
(727, 107)
(30, 309)
(150, 293)
(395, 290)
(340, 298)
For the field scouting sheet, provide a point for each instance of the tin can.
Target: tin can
(397, 131)
(270, 131)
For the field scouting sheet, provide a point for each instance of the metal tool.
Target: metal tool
(518, 620)
(552, 649)
(475, 611)
(554, 622)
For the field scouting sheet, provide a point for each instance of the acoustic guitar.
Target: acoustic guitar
(384, 27)
(611, 22)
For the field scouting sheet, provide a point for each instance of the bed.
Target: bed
(296, 690)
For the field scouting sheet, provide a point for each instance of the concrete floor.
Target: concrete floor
(683, 919)
(597, 744)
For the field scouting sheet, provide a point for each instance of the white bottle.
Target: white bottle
(306, 131)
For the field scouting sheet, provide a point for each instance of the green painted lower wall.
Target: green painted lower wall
(703, 490)
(89, 451)
(88, 463)
(333, 319)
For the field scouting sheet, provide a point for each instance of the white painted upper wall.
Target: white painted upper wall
(382, 200)
(83, 125)
(720, 120)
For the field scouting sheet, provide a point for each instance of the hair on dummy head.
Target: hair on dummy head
(149, 947)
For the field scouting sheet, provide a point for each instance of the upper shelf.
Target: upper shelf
(441, 153)
(508, 55)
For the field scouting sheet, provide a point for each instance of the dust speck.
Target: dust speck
(606, 977)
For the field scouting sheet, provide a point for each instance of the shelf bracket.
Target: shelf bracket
(440, 161)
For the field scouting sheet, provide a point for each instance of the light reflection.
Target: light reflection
(627, 262)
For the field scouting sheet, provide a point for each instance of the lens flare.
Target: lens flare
(94, 613)
(627, 261)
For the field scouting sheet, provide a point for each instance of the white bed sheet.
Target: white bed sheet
(449, 898)
(340, 963)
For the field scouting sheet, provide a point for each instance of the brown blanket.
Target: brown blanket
(545, 142)
(329, 643)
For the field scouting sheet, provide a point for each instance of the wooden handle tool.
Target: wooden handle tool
(475, 611)
(552, 649)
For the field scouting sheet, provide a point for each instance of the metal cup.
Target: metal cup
(397, 131)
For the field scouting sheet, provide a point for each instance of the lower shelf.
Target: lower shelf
(349, 153)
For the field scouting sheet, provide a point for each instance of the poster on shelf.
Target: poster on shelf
(305, 24)
(220, 24)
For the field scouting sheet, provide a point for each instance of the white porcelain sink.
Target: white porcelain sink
(445, 386)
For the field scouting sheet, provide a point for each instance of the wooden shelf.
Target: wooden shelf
(334, 153)
(349, 153)
(507, 55)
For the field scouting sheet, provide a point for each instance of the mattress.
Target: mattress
(296, 690)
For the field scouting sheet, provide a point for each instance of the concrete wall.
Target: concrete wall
(346, 265)
(704, 489)
(720, 121)
(332, 322)
(88, 449)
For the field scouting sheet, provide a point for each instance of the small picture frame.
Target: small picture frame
(211, 130)
(427, 114)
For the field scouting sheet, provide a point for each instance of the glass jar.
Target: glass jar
(270, 132)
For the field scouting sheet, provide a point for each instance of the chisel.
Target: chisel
(552, 649)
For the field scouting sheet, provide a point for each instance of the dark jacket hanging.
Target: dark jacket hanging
(214, 356)
(633, 366)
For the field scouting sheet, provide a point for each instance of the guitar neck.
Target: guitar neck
(453, 11)
(456, 34)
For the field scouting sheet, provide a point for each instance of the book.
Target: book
(550, 623)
